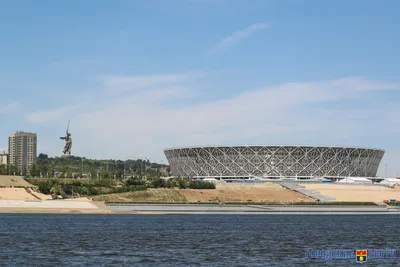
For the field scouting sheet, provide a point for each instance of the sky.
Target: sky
(137, 77)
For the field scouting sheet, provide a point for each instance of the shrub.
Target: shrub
(201, 185)
(157, 183)
(135, 182)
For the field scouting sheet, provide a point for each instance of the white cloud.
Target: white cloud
(119, 90)
(238, 36)
(50, 115)
(129, 83)
(168, 113)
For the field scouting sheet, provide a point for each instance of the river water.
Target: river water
(191, 240)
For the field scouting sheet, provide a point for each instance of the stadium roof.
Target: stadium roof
(225, 146)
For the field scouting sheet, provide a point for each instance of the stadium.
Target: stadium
(274, 161)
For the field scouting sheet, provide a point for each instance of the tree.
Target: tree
(115, 168)
(105, 175)
(3, 169)
(34, 172)
(12, 169)
(157, 183)
(43, 170)
(42, 156)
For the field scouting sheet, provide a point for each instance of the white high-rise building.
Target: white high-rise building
(22, 149)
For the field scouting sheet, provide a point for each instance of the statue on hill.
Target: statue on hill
(68, 142)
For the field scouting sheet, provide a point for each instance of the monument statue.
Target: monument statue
(68, 142)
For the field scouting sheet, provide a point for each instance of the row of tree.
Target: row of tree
(74, 167)
(8, 169)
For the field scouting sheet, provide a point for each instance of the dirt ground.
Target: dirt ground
(225, 192)
(10, 188)
(363, 193)
(22, 194)
(16, 194)
(10, 181)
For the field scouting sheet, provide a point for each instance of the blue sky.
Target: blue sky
(135, 77)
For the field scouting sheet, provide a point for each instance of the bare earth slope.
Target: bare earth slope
(362, 193)
(16, 188)
(225, 192)
(16, 194)
(13, 181)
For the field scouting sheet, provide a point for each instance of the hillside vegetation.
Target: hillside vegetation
(73, 167)
(69, 187)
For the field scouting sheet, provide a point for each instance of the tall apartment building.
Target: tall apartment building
(22, 150)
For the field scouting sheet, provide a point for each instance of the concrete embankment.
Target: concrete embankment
(248, 209)
(82, 206)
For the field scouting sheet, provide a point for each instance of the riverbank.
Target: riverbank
(92, 207)
(53, 206)
(249, 209)
(224, 192)
(53, 211)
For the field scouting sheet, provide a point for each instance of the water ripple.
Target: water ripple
(190, 240)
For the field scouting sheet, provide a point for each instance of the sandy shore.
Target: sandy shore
(57, 211)
(53, 206)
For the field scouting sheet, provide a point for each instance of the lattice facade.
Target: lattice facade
(274, 161)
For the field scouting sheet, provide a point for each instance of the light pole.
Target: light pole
(141, 169)
(145, 160)
(124, 168)
(100, 173)
(386, 170)
(125, 162)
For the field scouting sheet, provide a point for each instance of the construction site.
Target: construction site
(19, 196)
(282, 193)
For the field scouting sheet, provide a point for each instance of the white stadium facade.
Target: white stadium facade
(274, 161)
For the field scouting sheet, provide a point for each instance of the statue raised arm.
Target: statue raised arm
(68, 142)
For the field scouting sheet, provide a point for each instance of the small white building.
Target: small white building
(354, 180)
(390, 181)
